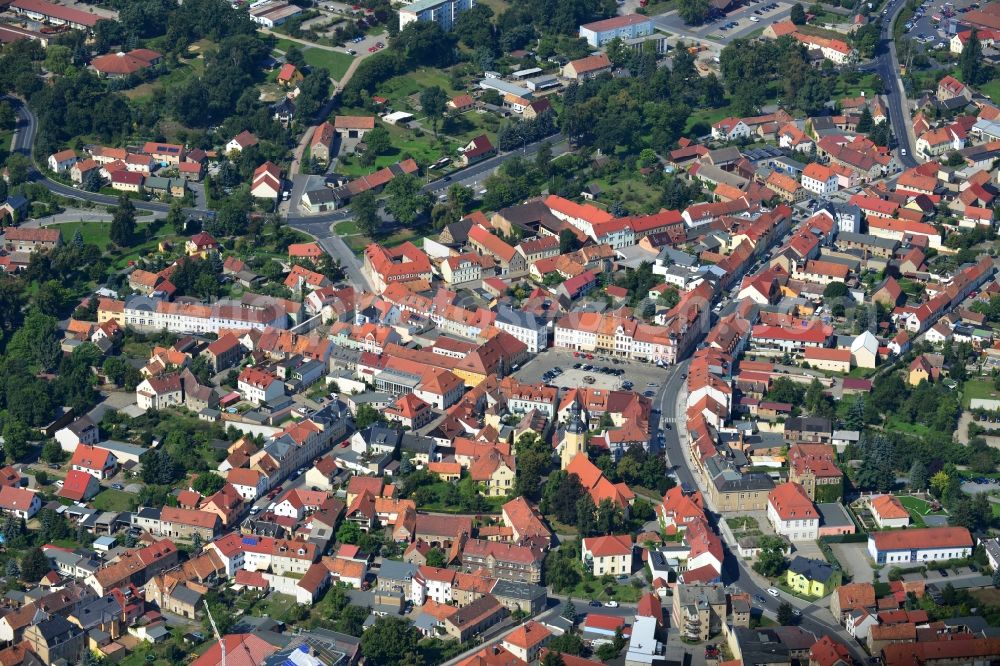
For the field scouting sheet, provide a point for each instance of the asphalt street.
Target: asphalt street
(888, 68)
(735, 573)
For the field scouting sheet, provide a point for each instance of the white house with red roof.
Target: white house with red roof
(705, 554)
(266, 182)
(920, 545)
(888, 512)
(19, 502)
(792, 513)
(610, 554)
(431, 583)
(249, 483)
(730, 129)
(679, 509)
(257, 386)
(79, 486)
(527, 641)
(99, 463)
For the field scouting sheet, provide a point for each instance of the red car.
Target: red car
(372, 49)
(590, 357)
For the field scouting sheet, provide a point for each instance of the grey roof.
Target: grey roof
(833, 514)
(323, 195)
(517, 590)
(760, 646)
(57, 629)
(395, 570)
(519, 318)
(867, 239)
(418, 443)
(149, 513)
(817, 570)
(186, 595)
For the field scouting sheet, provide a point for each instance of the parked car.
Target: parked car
(772, 591)
(595, 602)
(117, 486)
(611, 604)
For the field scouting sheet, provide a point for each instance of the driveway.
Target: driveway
(853, 558)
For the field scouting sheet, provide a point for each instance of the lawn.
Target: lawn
(94, 233)
(866, 85)
(635, 194)
(113, 500)
(347, 228)
(594, 589)
(977, 388)
(918, 429)
(918, 508)
(701, 121)
(335, 62)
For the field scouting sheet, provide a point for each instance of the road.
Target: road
(887, 67)
(735, 571)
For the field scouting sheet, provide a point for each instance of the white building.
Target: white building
(442, 12)
(257, 386)
(819, 179)
(608, 554)
(888, 512)
(926, 544)
(792, 513)
(526, 327)
(630, 26)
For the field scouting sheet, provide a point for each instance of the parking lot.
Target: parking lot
(642, 376)
(770, 12)
(931, 33)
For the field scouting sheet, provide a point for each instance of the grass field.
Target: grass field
(335, 62)
(975, 388)
(94, 233)
(701, 121)
(113, 500)
(635, 195)
(918, 508)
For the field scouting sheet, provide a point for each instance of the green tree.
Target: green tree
(176, 217)
(971, 60)
(607, 651)
(562, 574)
(436, 558)
(377, 141)
(366, 416)
(771, 561)
(208, 483)
(365, 209)
(16, 436)
(123, 223)
(349, 532)
(34, 565)
(58, 58)
(785, 615)
(693, 12)
(432, 102)
(835, 290)
(18, 169)
(798, 15)
(918, 476)
(387, 641)
(405, 202)
(569, 610)
(865, 123)
(13, 571)
(568, 642)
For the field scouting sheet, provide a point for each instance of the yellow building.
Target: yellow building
(574, 439)
(496, 472)
(813, 578)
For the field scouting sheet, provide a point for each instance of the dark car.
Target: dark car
(944, 573)
(595, 602)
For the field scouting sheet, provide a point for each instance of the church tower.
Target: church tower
(574, 439)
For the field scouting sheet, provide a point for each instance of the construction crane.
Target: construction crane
(215, 630)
